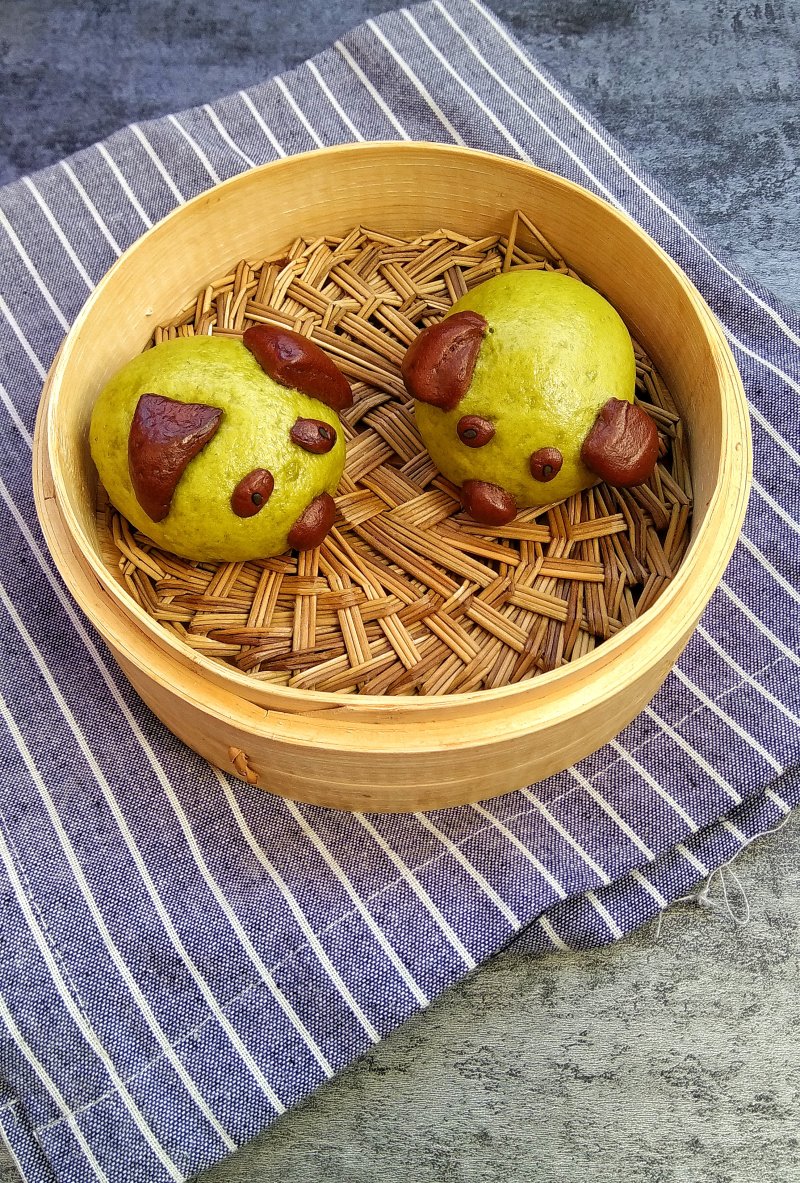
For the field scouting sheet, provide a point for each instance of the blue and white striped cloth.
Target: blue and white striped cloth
(182, 956)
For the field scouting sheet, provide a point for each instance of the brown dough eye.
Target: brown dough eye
(474, 431)
(545, 464)
(252, 493)
(313, 435)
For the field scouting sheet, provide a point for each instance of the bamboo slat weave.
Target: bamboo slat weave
(408, 595)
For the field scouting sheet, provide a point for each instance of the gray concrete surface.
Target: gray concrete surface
(672, 1057)
(705, 92)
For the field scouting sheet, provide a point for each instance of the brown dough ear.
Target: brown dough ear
(292, 360)
(438, 366)
(622, 445)
(165, 435)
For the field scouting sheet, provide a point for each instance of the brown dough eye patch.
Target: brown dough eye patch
(165, 435)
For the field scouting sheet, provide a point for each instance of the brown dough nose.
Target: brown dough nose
(489, 504)
(314, 523)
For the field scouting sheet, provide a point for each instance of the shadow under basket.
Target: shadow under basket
(449, 701)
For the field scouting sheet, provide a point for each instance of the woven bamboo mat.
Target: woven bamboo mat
(407, 595)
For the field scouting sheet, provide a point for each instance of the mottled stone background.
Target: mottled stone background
(673, 1057)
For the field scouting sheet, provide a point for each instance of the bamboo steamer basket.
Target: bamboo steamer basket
(379, 752)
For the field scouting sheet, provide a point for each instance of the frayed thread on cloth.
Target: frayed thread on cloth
(735, 903)
(740, 916)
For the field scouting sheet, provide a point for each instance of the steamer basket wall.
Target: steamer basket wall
(382, 753)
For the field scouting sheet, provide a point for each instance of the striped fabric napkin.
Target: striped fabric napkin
(182, 957)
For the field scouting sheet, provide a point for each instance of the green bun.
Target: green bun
(555, 351)
(253, 433)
